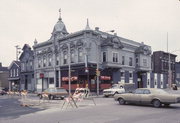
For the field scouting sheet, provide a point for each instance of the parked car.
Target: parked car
(118, 89)
(53, 93)
(153, 96)
(3, 91)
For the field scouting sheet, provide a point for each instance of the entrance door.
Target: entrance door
(26, 82)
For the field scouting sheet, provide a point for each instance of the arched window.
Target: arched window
(49, 60)
(65, 57)
(39, 62)
(72, 56)
(80, 55)
(44, 61)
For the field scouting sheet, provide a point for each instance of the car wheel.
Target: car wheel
(121, 101)
(166, 105)
(40, 97)
(106, 96)
(51, 97)
(156, 103)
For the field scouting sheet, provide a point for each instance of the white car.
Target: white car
(118, 89)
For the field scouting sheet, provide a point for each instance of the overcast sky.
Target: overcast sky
(148, 21)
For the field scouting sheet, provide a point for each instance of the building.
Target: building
(177, 71)
(27, 69)
(14, 75)
(4, 73)
(160, 60)
(89, 53)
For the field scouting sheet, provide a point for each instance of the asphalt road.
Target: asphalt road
(106, 111)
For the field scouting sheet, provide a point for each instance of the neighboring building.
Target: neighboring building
(177, 69)
(14, 76)
(4, 73)
(160, 60)
(27, 69)
(117, 58)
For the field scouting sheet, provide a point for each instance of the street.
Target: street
(106, 110)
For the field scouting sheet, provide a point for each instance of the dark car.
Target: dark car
(2, 91)
(53, 93)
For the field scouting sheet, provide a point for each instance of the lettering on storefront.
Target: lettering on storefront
(105, 78)
(73, 78)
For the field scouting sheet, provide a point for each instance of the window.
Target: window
(137, 61)
(31, 65)
(51, 80)
(11, 72)
(155, 82)
(146, 91)
(17, 72)
(39, 62)
(104, 57)
(148, 82)
(22, 67)
(130, 75)
(44, 61)
(130, 61)
(139, 91)
(49, 60)
(145, 62)
(72, 56)
(57, 60)
(123, 60)
(122, 74)
(115, 57)
(65, 58)
(14, 72)
(80, 55)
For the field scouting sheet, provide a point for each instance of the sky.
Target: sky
(148, 21)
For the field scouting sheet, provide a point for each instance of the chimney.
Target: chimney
(97, 28)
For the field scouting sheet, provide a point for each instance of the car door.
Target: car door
(135, 97)
(146, 97)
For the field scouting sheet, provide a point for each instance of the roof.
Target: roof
(17, 63)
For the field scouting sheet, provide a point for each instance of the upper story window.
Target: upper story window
(72, 56)
(14, 72)
(115, 57)
(123, 60)
(44, 61)
(137, 61)
(130, 61)
(145, 62)
(31, 64)
(11, 74)
(17, 72)
(80, 55)
(39, 62)
(104, 56)
(49, 60)
(57, 60)
(22, 67)
(65, 58)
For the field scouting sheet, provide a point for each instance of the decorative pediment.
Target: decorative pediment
(113, 42)
(144, 49)
(79, 43)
